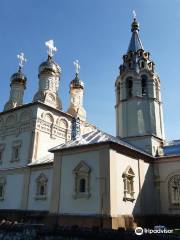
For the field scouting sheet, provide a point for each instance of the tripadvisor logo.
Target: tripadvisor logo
(139, 231)
(157, 229)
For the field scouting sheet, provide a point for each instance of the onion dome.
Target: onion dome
(49, 66)
(76, 82)
(135, 25)
(18, 78)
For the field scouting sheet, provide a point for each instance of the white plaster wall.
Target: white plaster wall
(118, 164)
(20, 130)
(34, 204)
(13, 192)
(69, 205)
(46, 140)
(45, 143)
(25, 139)
(167, 169)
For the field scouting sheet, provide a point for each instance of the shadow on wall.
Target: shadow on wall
(147, 211)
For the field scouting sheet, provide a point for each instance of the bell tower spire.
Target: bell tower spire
(139, 117)
(18, 85)
(135, 42)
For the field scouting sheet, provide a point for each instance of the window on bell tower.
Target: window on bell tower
(144, 85)
(118, 92)
(157, 90)
(129, 87)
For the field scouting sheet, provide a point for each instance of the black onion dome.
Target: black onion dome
(76, 82)
(18, 77)
(49, 66)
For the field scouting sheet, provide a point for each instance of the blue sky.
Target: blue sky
(97, 32)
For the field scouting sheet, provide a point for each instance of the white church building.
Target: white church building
(55, 167)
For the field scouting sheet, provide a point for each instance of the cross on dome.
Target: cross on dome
(51, 48)
(21, 59)
(77, 66)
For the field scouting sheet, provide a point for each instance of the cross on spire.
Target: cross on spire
(134, 14)
(77, 66)
(51, 48)
(21, 59)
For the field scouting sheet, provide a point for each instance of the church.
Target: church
(57, 168)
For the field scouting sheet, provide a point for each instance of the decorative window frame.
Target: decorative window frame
(16, 147)
(174, 186)
(81, 171)
(128, 180)
(41, 180)
(2, 147)
(2, 185)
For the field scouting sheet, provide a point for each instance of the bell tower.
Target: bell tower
(139, 116)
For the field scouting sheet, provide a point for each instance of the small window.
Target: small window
(1, 154)
(16, 151)
(144, 85)
(42, 190)
(157, 90)
(142, 64)
(16, 148)
(41, 187)
(81, 181)
(128, 179)
(2, 188)
(82, 185)
(118, 92)
(129, 87)
(2, 146)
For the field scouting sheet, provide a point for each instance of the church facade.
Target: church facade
(57, 168)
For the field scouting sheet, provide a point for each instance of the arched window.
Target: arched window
(128, 179)
(118, 92)
(41, 187)
(82, 185)
(42, 190)
(49, 118)
(129, 87)
(142, 64)
(144, 85)
(16, 150)
(82, 181)
(174, 190)
(2, 188)
(157, 89)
